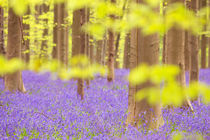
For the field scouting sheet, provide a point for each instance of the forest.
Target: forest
(105, 69)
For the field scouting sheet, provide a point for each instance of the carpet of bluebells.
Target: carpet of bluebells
(52, 110)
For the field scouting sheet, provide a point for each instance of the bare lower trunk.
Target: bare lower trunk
(117, 63)
(187, 51)
(203, 51)
(110, 63)
(2, 50)
(76, 42)
(194, 66)
(44, 45)
(55, 34)
(111, 53)
(14, 82)
(132, 89)
(80, 83)
(99, 48)
(126, 52)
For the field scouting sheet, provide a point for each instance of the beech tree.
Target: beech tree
(175, 41)
(204, 41)
(14, 82)
(44, 45)
(111, 52)
(143, 49)
(80, 83)
(76, 25)
(126, 52)
(194, 49)
(2, 50)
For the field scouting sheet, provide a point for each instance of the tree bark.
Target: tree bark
(76, 41)
(44, 45)
(187, 42)
(111, 53)
(175, 42)
(61, 34)
(132, 89)
(194, 67)
(204, 41)
(2, 47)
(80, 83)
(143, 49)
(55, 33)
(99, 47)
(126, 52)
(14, 82)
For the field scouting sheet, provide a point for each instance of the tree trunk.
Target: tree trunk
(187, 43)
(132, 89)
(144, 49)
(2, 50)
(203, 41)
(194, 67)
(76, 42)
(61, 34)
(80, 84)
(44, 45)
(66, 39)
(111, 52)
(14, 82)
(117, 42)
(126, 52)
(99, 47)
(55, 33)
(175, 41)
(92, 60)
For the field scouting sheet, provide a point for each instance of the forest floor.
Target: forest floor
(51, 110)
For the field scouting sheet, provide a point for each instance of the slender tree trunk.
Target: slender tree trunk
(61, 34)
(117, 42)
(187, 43)
(2, 50)
(55, 33)
(80, 83)
(126, 52)
(91, 50)
(44, 45)
(14, 82)
(104, 50)
(204, 41)
(76, 41)
(164, 36)
(66, 39)
(99, 47)
(111, 52)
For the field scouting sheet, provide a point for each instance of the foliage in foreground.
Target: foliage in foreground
(52, 110)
